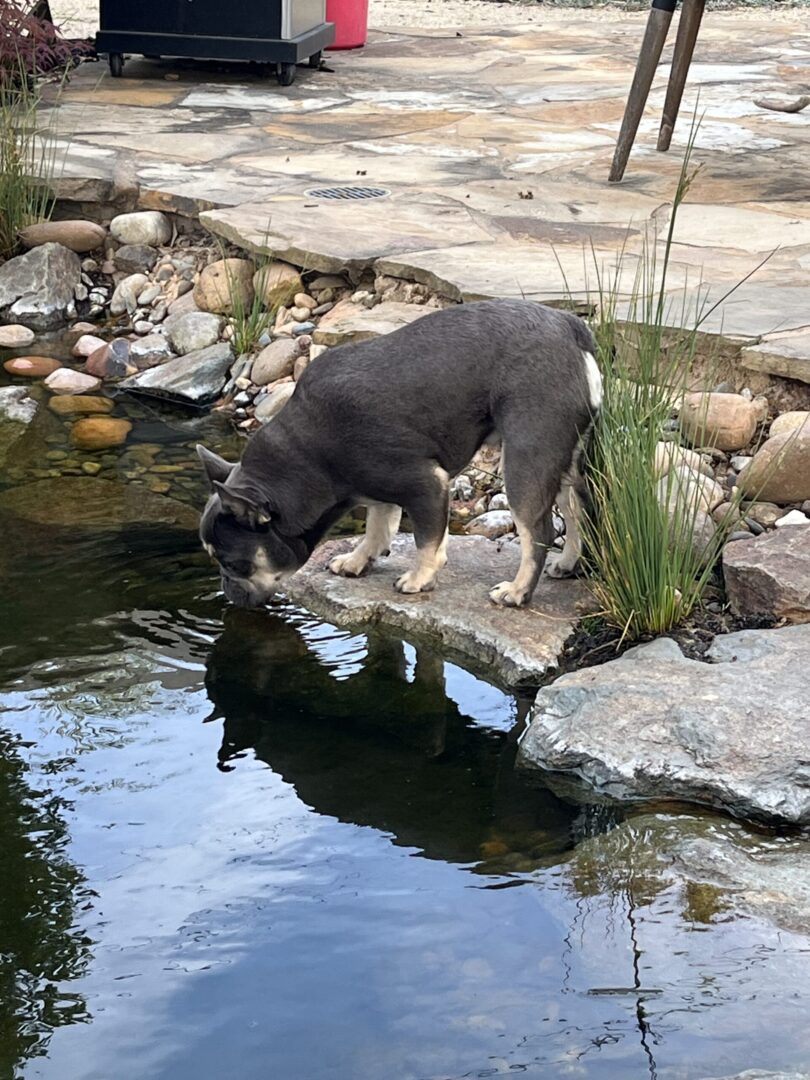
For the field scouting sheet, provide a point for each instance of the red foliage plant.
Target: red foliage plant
(32, 45)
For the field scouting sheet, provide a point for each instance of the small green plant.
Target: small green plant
(650, 545)
(27, 158)
(250, 318)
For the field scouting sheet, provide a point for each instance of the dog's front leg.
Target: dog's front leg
(429, 511)
(382, 522)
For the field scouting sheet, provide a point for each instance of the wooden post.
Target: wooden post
(688, 27)
(651, 48)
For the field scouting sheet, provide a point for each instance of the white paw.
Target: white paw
(350, 565)
(559, 567)
(413, 583)
(508, 595)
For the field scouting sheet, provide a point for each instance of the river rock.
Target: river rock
(669, 455)
(274, 402)
(352, 322)
(125, 297)
(32, 367)
(790, 421)
(686, 489)
(36, 289)
(84, 502)
(15, 336)
(135, 258)
(492, 524)
(79, 236)
(99, 432)
(67, 381)
(194, 379)
(727, 421)
(193, 331)
(765, 514)
(222, 282)
(780, 469)
(655, 725)
(770, 575)
(275, 361)
(150, 351)
(80, 404)
(87, 344)
(17, 410)
(277, 283)
(111, 360)
(141, 227)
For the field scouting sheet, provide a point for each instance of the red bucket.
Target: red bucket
(351, 22)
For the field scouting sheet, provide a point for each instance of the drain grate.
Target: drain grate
(347, 193)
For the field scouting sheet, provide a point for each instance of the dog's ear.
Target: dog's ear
(243, 506)
(216, 468)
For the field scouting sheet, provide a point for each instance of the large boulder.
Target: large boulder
(79, 236)
(149, 227)
(770, 575)
(36, 289)
(780, 470)
(194, 379)
(224, 284)
(727, 421)
(655, 725)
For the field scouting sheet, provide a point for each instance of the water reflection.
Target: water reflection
(368, 733)
(41, 947)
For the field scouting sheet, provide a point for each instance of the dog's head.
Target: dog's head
(239, 529)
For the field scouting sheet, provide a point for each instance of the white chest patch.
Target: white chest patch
(594, 377)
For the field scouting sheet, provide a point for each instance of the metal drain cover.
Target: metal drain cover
(347, 193)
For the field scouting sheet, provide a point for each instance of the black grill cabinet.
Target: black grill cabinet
(282, 32)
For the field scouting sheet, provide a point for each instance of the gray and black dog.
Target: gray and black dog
(387, 423)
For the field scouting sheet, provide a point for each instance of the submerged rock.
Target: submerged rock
(84, 502)
(650, 726)
(520, 645)
(67, 381)
(17, 410)
(36, 289)
(99, 432)
(73, 405)
(32, 367)
(196, 379)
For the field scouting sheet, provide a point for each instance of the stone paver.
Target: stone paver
(518, 645)
(494, 145)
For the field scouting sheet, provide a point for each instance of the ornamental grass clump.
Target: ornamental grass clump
(651, 543)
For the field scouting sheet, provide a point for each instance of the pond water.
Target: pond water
(250, 844)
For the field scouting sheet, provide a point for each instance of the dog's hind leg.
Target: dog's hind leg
(571, 500)
(428, 508)
(531, 482)
(382, 522)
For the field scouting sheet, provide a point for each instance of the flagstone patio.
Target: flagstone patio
(494, 145)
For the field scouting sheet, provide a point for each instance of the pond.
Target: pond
(250, 844)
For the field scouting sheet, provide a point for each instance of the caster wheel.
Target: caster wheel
(286, 74)
(116, 65)
(315, 60)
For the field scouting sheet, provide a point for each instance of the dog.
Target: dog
(387, 423)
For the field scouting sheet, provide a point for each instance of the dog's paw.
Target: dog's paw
(353, 564)
(559, 567)
(413, 583)
(508, 594)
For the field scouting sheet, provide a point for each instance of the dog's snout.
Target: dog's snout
(240, 595)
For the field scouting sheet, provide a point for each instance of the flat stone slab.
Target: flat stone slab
(83, 502)
(770, 575)
(653, 725)
(194, 379)
(789, 357)
(364, 323)
(521, 645)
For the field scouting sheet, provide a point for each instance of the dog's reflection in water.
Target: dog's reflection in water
(369, 736)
